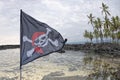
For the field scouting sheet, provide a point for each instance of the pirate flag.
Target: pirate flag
(37, 39)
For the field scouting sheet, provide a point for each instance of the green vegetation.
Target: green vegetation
(102, 68)
(107, 28)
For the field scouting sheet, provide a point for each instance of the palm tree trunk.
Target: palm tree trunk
(101, 36)
(91, 40)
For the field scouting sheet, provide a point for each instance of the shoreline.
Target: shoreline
(3, 47)
(99, 48)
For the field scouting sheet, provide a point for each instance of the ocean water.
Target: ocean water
(68, 64)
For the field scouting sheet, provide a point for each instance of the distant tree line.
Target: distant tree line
(107, 28)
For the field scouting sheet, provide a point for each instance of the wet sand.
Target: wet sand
(36, 70)
(70, 65)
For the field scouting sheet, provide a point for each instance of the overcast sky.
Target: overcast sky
(69, 17)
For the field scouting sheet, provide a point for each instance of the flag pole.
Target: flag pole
(20, 73)
(20, 45)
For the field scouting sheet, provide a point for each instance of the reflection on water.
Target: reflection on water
(104, 68)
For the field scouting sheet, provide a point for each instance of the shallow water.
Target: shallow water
(72, 63)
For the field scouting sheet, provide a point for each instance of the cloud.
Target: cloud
(69, 17)
(55, 5)
(1, 4)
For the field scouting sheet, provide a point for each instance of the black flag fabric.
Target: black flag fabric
(37, 39)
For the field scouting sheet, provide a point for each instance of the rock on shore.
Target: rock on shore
(3, 47)
(108, 48)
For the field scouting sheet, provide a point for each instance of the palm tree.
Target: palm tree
(86, 34)
(113, 29)
(117, 22)
(106, 28)
(90, 36)
(96, 34)
(106, 33)
(91, 18)
(99, 27)
(118, 28)
(113, 36)
(106, 23)
(96, 24)
(105, 10)
(114, 23)
(96, 30)
(118, 36)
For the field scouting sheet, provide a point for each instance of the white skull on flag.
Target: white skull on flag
(39, 39)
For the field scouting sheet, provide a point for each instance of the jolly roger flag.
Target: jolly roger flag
(37, 39)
